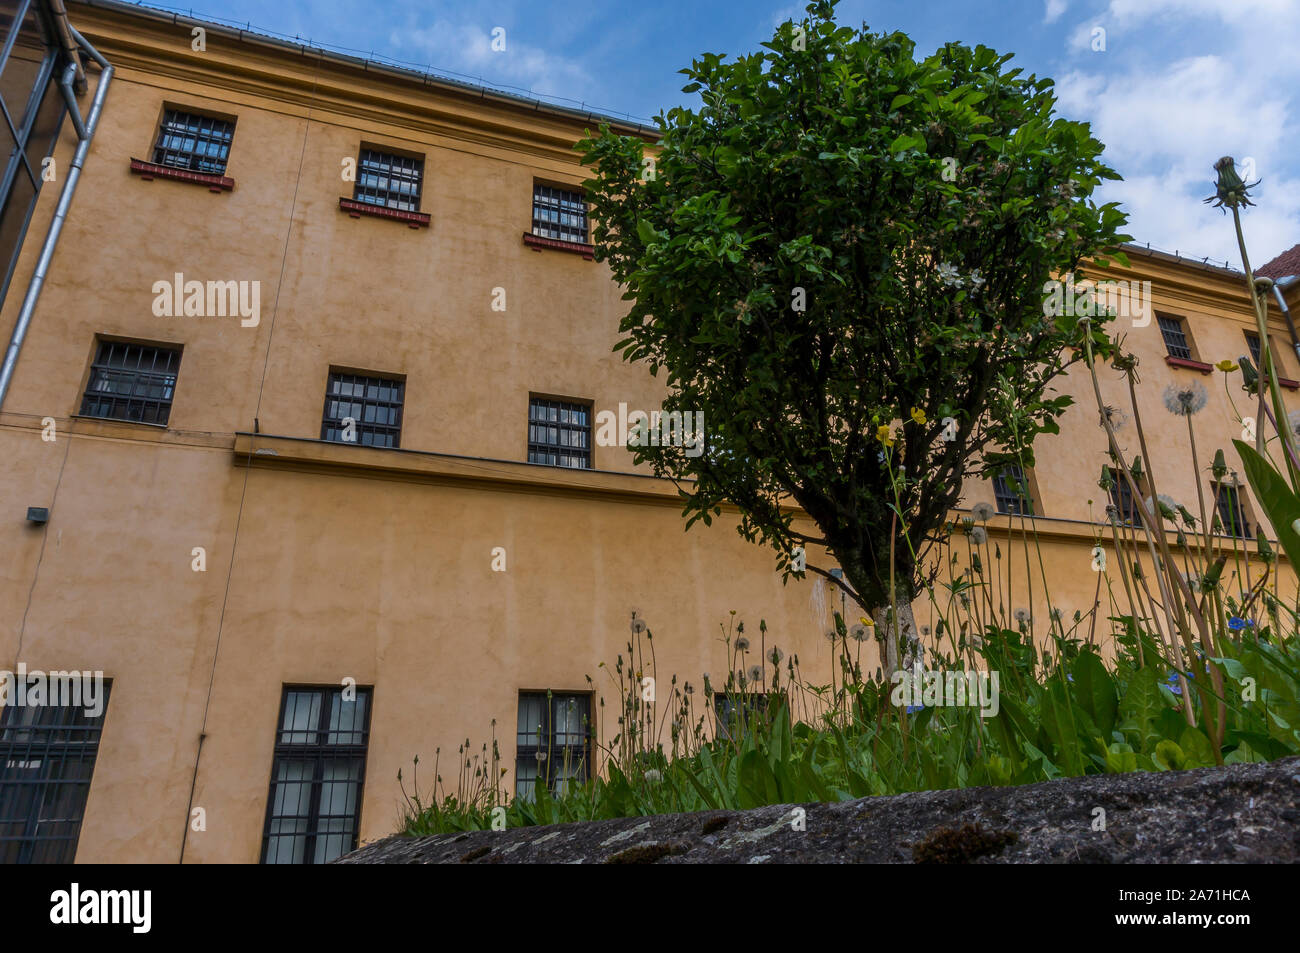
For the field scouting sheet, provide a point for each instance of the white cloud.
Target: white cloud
(466, 48)
(1166, 118)
(1053, 11)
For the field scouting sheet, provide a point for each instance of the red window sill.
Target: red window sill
(1191, 365)
(151, 170)
(537, 243)
(356, 209)
(1287, 383)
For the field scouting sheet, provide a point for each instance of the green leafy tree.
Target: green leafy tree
(838, 239)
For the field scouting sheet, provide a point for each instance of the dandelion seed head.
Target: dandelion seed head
(1185, 400)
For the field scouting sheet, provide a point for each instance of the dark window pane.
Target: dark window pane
(132, 382)
(193, 142)
(1175, 335)
(390, 181)
(45, 127)
(1122, 498)
(14, 215)
(47, 759)
(559, 213)
(375, 421)
(313, 811)
(1229, 506)
(553, 741)
(1011, 491)
(23, 68)
(570, 434)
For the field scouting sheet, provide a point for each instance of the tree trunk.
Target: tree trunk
(901, 637)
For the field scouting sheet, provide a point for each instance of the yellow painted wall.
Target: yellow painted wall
(325, 561)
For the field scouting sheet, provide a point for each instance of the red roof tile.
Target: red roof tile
(1287, 263)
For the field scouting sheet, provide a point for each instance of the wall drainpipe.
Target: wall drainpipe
(1278, 285)
(86, 132)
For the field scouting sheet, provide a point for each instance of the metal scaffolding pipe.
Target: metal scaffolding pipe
(60, 214)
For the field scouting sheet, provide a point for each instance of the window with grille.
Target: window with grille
(1231, 509)
(193, 142)
(313, 812)
(559, 214)
(388, 180)
(133, 382)
(1252, 342)
(553, 742)
(1122, 496)
(739, 714)
(1174, 331)
(363, 410)
(1011, 491)
(47, 758)
(559, 433)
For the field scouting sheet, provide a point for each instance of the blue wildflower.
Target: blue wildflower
(912, 709)
(1173, 685)
(1236, 623)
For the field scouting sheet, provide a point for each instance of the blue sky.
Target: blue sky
(1179, 83)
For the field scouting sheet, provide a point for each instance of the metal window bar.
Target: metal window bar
(387, 180)
(133, 382)
(559, 433)
(1011, 491)
(372, 404)
(559, 214)
(1231, 513)
(47, 759)
(1175, 334)
(194, 142)
(552, 741)
(737, 714)
(1122, 497)
(1252, 342)
(313, 810)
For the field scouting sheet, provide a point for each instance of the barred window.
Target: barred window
(553, 741)
(313, 812)
(559, 214)
(1011, 491)
(1252, 342)
(739, 714)
(388, 180)
(559, 433)
(193, 142)
(47, 758)
(363, 410)
(132, 382)
(1174, 331)
(1231, 509)
(1122, 497)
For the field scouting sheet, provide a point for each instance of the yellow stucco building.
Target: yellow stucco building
(296, 446)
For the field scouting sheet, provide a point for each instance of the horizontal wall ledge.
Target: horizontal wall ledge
(265, 451)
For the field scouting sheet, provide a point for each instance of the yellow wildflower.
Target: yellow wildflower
(883, 435)
(1226, 366)
(918, 415)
